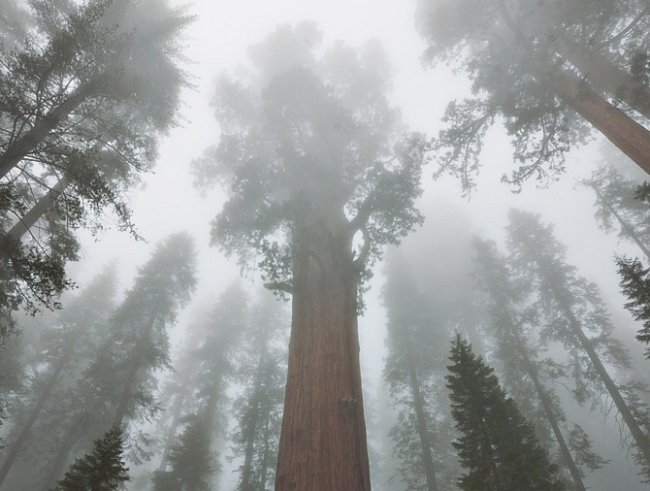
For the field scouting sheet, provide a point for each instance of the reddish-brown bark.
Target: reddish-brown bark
(323, 436)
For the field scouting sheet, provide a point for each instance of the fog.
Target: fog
(243, 150)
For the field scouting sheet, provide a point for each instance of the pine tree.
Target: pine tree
(101, 470)
(635, 285)
(190, 459)
(497, 446)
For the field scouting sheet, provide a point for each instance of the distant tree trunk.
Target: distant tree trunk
(25, 432)
(132, 373)
(547, 406)
(641, 439)
(323, 437)
(423, 433)
(628, 135)
(245, 482)
(607, 77)
(171, 431)
(625, 227)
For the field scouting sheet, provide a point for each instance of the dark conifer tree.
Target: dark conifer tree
(635, 285)
(190, 460)
(497, 446)
(102, 470)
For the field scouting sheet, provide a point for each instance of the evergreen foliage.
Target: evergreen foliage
(635, 285)
(497, 446)
(535, 65)
(101, 470)
(85, 93)
(190, 460)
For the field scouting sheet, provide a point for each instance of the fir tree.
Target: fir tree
(635, 285)
(497, 446)
(101, 470)
(190, 460)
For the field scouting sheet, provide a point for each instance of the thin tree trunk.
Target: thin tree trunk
(628, 135)
(323, 437)
(641, 439)
(24, 434)
(266, 451)
(423, 434)
(628, 230)
(547, 406)
(607, 77)
(176, 414)
(18, 150)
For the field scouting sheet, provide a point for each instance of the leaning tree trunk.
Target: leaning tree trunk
(35, 411)
(547, 406)
(628, 135)
(421, 425)
(640, 438)
(607, 77)
(323, 437)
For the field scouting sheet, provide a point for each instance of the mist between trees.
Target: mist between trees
(310, 288)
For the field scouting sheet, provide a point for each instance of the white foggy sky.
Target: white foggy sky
(218, 42)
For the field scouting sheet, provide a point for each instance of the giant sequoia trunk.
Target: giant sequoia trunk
(323, 436)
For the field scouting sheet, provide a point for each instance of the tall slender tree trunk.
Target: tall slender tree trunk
(607, 77)
(35, 411)
(266, 455)
(641, 439)
(171, 431)
(423, 433)
(132, 374)
(323, 437)
(547, 406)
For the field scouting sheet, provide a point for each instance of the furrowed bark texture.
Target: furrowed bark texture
(323, 437)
